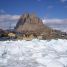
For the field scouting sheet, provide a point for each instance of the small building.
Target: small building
(40, 36)
(12, 35)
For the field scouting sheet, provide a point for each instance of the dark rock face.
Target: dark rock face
(29, 23)
(3, 33)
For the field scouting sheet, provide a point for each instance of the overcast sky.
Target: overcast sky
(52, 12)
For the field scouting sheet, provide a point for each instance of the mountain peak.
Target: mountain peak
(29, 22)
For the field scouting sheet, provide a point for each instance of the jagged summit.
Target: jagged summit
(29, 22)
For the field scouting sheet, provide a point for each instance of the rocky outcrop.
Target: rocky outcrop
(3, 33)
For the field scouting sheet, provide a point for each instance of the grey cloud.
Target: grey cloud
(55, 21)
(7, 20)
(60, 24)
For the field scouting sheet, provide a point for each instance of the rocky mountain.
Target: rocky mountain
(30, 23)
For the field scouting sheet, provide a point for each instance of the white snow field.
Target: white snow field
(34, 53)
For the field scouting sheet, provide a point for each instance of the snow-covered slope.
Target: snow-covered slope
(35, 53)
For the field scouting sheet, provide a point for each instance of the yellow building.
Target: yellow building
(11, 35)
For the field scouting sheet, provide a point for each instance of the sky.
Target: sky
(52, 12)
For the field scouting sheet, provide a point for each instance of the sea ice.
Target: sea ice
(34, 53)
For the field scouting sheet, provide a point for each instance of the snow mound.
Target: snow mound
(35, 53)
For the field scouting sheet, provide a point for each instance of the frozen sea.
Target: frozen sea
(34, 53)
